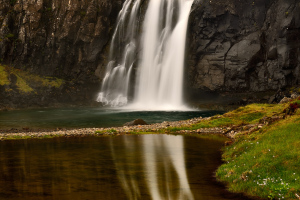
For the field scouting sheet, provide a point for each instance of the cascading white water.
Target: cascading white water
(159, 84)
(160, 76)
(114, 90)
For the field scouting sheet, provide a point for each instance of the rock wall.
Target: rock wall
(66, 39)
(244, 45)
(55, 38)
(234, 45)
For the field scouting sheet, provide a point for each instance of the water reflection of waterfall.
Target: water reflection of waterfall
(163, 171)
(160, 70)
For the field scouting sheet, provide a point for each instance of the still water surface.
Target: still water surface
(123, 167)
(90, 117)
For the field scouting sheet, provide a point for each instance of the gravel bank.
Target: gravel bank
(28, 133)
(230, 132)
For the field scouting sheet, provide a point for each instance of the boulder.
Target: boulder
(136, 122)
(285, 100)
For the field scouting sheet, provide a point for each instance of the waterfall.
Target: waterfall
(159, 81)
(122, 56)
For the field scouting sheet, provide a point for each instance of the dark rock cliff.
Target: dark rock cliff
(244, 45)
(64, 39)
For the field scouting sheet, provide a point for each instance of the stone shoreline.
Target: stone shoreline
(157, 127)
(15, 133)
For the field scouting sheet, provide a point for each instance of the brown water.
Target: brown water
(123, 167)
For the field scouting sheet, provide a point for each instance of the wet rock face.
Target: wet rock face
(251, 45)
(66, 39)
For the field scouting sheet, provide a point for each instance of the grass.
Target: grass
(106, 131)
(3, 76)
(27, 82)
(37, 80)
(23, 86)
(25, 137)
(265, 163)
(250, 114)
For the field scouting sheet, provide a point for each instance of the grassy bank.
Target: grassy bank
(263, 159)
(264, 162)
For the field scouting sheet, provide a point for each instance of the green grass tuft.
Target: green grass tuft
(23, 86)
(265, 163)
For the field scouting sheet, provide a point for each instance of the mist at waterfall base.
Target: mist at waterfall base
(159, 72)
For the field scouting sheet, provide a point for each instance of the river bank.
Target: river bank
(26, 133)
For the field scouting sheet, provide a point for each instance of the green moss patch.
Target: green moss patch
(3, 76)
(27, 82)
(33, 79)
(23, 86)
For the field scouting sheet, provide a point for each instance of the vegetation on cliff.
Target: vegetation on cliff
(24, 81)
(3, 76)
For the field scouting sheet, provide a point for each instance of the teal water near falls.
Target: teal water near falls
(89, 117)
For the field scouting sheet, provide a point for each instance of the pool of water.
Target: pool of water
(89, 117)
(133, 167)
